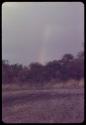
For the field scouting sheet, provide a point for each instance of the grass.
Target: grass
(54, 110)
(51, 85)
(61, 109)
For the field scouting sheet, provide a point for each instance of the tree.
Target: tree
(80, 55)
(65, 62)
(36, 72)
(53, 70)
(67, 58)
(57, 70)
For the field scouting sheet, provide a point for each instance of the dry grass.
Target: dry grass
(51, 85)
(61, 109)
(55, 103)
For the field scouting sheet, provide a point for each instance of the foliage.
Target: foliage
(58, 70)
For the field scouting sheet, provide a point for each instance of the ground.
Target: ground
(43, 106)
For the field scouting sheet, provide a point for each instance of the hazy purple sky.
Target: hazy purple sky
(41, 31)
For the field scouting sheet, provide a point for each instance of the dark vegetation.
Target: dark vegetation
(69, 67)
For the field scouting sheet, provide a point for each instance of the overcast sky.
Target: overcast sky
(41, 31)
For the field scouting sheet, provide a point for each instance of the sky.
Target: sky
(41, 31)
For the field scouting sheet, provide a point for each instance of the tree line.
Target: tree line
(69, 67)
